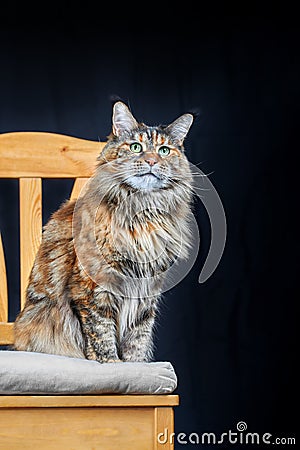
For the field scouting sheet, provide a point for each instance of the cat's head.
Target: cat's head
(146, 158)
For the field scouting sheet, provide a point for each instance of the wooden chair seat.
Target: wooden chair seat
(68, 422)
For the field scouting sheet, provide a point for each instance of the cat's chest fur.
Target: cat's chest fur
(142, 247)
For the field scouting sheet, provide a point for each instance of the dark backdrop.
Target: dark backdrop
(232, 339)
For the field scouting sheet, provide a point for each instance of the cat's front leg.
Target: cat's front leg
(137, 342)
(98, 321)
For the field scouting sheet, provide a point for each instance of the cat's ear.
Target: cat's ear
(122, 120)
(180, 127)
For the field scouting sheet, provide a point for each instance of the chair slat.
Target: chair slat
(30, 227)
(47, 155)
(6, 333)
(3, 286)
(79, 183)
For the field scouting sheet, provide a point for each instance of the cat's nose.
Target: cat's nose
(151, 160)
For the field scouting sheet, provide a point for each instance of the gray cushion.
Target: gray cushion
(42, 374)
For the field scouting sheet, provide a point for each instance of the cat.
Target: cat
(96, 282)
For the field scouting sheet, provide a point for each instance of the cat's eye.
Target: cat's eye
(136, 147)
(163, 150)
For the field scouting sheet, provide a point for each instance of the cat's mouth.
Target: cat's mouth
(148, 174)
(146, 181)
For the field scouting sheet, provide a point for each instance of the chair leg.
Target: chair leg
(164, 428)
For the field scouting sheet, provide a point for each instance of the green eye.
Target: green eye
(136, 147)
(163, 150)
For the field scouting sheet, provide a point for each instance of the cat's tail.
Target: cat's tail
(45, 327)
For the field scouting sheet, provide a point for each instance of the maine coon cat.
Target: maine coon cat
(96, 281)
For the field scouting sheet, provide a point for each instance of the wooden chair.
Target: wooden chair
(123, 422)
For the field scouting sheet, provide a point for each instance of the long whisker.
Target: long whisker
(203, 175)
(190, 188)
(121, 175)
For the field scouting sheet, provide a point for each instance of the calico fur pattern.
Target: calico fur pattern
(97, 296)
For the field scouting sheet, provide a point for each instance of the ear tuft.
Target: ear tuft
(180, 127)
(122, 120)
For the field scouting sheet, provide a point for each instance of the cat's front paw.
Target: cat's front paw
(111, 360)
(133, 358)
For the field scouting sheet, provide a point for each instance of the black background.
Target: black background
(232, 339)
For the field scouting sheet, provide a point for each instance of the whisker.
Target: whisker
(203, 175)
(188, 188)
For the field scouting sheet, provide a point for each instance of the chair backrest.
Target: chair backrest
(31, 156)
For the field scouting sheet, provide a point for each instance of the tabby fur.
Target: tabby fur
(98, 275)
